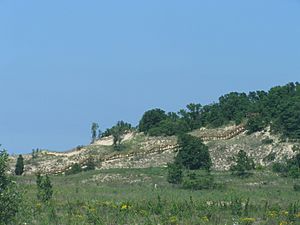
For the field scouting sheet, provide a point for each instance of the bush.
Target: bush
(90, 164)
(267, 141)
(270, 157)
(9, 197)
(44, 188)
(175, 173)
(294, 172)
(243, 164)
(279, 168)
(196, 181)
(296, 187)
(290, 167)
(76, 168)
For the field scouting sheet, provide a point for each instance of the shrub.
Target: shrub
(279, 168)
(90, 164)
(44, 188)
(9, 197)
(175, 173)
(243, 164)
(270, 157)
(196, 181)
(267, 141)
(297, 187)
(76, 168)
(294, 172)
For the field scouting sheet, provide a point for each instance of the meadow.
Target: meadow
(143, 196)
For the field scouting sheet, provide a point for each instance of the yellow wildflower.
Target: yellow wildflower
(283, 223)
(248, 220)
(173, 220)
(125, 206)
(205, 219)
(272, 214)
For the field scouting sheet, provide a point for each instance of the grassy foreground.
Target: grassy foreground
(142, 196)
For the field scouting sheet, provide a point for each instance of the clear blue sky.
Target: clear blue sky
(65, 64)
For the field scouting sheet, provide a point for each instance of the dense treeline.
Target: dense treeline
(278, 108)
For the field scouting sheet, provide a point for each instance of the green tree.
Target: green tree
(19, 166)
(9, 197)
(44, 187)
(192, 116)
(94, 128)
(242, 164)
(118, 132)
(193, 154)
(151, 119)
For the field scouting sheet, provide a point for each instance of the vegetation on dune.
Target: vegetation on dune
(290, 167)
(278, 108)
(243, 164)
(188, 191)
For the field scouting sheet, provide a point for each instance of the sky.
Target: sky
(65, 64)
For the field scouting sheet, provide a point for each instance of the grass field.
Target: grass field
(143, 196)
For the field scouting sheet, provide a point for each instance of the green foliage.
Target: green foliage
(35, 153)
(9, 197)
(125, 127)
(44, 188)
(175, 173)
(94, 128)
(151, 119)
(76, 168)
(297, 187)
(255, 124)
(267, 141)
(198, 181)
(193, 154)
(118, 132)
(270, 157)
(280, 168)
(243, 164)
(19, 166)
(90, 164)
(124, 200)
(290, 167)
(192, 116)
(278, 108)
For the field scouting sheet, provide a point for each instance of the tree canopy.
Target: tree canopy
(278, 108)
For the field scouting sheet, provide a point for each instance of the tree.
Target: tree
(44, 187)
(243, 164)
(9, 197)
(151, 119)
(94, 128)
(192, 116)
(118, 132)
(19, 166)
(193, 154)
